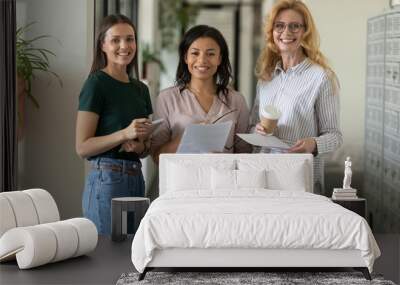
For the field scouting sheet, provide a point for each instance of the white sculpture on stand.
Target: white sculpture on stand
(347, 174)
(347, 192)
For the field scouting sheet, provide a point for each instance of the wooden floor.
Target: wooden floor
(110, 260)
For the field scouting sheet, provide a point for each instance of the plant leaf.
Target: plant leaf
(30, 59)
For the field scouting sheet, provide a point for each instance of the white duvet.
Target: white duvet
(250, 219)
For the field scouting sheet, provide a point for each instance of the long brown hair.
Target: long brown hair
(100, 58)
(270, 55)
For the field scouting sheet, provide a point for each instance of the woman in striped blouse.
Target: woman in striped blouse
(295, 78)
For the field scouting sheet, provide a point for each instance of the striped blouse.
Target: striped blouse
(310, 108)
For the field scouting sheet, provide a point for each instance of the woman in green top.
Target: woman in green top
(112, 126)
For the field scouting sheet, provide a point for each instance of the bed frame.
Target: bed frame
(243, 259)
(246, 258)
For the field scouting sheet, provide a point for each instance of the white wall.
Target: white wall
(47, 153)
(342, 25)
(246, 68)
(148, 34)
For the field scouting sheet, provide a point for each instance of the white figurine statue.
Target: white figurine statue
(347, 174)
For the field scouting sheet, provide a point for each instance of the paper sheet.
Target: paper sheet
(265, 141)
(205, 138)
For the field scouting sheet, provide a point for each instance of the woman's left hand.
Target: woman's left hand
(133, 146)
(306, 145)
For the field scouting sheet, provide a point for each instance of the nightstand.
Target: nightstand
(120, 207)
(358, 205)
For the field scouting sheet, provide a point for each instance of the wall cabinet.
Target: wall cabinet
(382, 123)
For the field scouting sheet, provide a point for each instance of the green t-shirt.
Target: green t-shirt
(117, 103)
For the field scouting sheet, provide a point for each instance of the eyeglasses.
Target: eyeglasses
(293, 27)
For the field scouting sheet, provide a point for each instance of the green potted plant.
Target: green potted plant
(29, 60)
(175, 17)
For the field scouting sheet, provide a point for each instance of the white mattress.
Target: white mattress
(253, 218)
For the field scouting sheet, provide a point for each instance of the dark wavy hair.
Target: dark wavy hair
(100, 58)
(224, 71)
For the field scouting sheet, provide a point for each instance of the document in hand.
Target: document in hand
(205, 138)
(154, 126)
(264, 141)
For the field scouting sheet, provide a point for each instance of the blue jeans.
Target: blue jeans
(109, 178)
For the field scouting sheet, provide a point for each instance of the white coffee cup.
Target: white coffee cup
(269, 116)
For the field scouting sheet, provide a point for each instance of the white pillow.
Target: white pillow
(281, 174)
(291, 179)
(251, 178)
(190, 176)
(222, 179)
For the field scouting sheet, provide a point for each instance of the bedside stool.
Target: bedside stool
(119, 215)
(358, 206)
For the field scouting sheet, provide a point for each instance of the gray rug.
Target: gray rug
(243, 278)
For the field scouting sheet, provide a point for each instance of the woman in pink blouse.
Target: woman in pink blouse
(201, 93)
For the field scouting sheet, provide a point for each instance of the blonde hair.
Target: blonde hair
(270, 56)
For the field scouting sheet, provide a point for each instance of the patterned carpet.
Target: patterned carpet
(253, 278)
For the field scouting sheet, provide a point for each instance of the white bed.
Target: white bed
(247, 210)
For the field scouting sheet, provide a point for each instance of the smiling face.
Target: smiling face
(203, 58)
(119, 45)
(288, 41)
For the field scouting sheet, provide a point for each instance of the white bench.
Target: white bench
(32, 233)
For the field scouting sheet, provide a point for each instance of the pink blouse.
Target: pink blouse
(179, 109)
